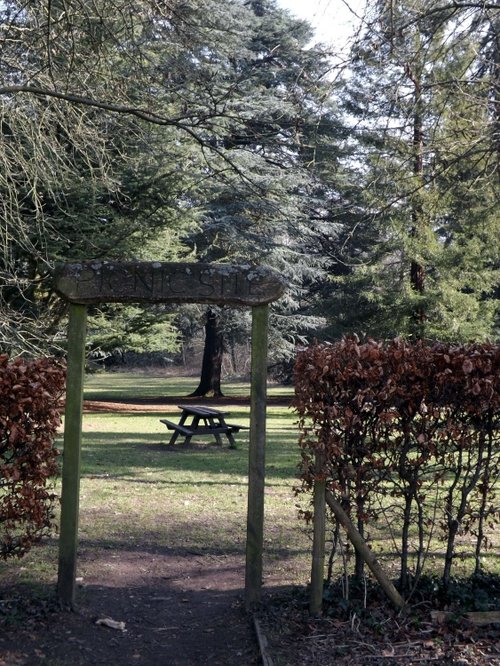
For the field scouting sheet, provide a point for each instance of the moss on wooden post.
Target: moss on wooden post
(256, 457)
(68, 538)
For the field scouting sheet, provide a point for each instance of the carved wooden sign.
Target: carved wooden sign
(156, 282)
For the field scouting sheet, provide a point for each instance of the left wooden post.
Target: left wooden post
(70, 496)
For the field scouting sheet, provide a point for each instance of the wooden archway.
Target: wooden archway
(93, 282)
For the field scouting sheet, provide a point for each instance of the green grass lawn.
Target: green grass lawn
(136, 491)
(127, 385)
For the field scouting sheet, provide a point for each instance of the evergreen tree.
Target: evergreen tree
(87, 171)
(121, 120)
(420, 101)
(272, 215)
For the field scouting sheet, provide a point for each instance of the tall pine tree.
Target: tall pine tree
(268, 209)
(420, 98)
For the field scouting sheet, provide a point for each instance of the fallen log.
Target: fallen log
(478, 618)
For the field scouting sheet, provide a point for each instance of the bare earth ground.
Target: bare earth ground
(178, 610)
(183, 608)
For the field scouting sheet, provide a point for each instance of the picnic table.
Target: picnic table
(203, 421)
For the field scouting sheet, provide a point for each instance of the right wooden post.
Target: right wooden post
(256, 456)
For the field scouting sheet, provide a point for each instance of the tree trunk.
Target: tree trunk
(212, 359)
(417, 270)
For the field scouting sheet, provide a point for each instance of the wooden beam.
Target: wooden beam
(256, 456)
(159, 282)
(70, 499)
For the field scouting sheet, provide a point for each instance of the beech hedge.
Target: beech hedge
(30, 394)
(407, 436)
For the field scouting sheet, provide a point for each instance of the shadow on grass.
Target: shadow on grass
(130, 385)
(126, 456)
(150, 545)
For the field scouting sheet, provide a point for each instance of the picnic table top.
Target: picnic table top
(199, 410)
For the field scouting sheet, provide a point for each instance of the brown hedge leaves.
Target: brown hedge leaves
(29, 417)
(409, 434)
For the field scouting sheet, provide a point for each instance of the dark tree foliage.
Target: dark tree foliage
(134, 129)
(419, 255)
(275, 214)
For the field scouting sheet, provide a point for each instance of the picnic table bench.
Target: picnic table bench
(213, 423)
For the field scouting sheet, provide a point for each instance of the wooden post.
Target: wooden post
(68, 538)
(359, 543)
(256, 457)
(319, 534)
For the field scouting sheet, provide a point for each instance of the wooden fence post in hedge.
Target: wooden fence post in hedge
(68, 537)
(319, 534)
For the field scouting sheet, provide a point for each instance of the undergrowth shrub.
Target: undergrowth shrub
(407, 436)
(29, 416)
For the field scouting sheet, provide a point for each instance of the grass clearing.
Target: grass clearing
(130, 385)
(136, 492)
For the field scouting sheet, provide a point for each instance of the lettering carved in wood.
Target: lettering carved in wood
(156, 282)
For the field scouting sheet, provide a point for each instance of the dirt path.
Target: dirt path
(177, 611)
